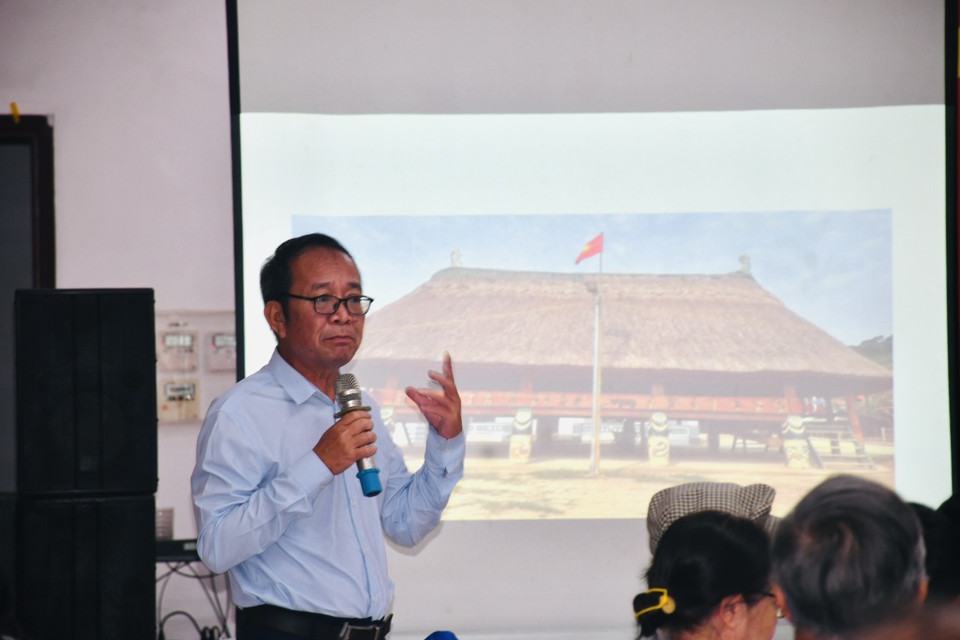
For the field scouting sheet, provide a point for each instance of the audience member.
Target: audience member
(932, 622)
(753, 502)
(709, 578)
(951, 508)
(848, 558)
(941, 538)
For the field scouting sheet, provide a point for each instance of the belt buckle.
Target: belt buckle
(347, 632)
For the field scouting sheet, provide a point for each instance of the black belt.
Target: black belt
(316, 626)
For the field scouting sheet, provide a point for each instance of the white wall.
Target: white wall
(572, 56)
(137, 93)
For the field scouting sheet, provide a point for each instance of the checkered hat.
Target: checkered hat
(667, 505)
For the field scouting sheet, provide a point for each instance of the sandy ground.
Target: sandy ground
(569, 485)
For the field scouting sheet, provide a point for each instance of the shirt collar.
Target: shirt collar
(292, 381)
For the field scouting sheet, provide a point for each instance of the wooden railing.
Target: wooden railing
(504, 403)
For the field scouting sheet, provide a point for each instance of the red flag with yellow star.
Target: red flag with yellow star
(592, 248)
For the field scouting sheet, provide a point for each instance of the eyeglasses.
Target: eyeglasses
(771, 595)
(327, 305)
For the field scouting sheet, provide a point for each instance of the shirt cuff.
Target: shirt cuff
(443, 456)
(310, 473)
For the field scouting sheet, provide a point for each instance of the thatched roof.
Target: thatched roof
(707, 324)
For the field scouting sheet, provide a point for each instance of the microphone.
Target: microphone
(347, 390)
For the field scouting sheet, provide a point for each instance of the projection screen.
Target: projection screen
(717, 230)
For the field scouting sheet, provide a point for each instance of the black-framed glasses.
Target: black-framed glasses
(327, 305)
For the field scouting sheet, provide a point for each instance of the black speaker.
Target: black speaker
(77, 533)
(86, 420)
(85, 567)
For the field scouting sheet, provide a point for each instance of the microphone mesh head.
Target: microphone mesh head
(346, 383)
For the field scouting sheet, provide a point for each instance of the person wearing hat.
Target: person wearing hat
(709, 578)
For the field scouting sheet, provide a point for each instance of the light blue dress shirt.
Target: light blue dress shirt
(286, 530)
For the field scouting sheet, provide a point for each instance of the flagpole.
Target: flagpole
(592, 248)
(597, 418)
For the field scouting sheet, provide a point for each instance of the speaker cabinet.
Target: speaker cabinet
(77, 533)
(86, 420)
(85, 567)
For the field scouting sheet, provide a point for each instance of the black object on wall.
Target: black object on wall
(84, 567)
(26, 248)
(77, 534)
(86, 392)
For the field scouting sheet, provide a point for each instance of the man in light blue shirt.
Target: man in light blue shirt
(278, 506)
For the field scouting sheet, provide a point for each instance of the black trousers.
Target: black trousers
(253, 632)
(267, 622)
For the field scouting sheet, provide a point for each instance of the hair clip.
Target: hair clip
(666, 603)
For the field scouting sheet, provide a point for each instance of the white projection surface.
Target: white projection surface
(840, 211)
(803, 141)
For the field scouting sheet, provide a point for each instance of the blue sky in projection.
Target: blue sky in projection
(831, 268)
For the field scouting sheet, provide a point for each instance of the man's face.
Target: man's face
(310, 342)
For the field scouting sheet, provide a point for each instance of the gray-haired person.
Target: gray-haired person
(849, 557)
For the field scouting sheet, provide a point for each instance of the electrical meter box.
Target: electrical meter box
(196, 362)
(177, 350)
(222, 351)
(178, 400)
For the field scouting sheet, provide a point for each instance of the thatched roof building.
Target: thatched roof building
(692, 333)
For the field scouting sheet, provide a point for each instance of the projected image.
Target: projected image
(736, 324)
(741, 347)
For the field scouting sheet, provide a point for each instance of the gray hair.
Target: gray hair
(849, 555)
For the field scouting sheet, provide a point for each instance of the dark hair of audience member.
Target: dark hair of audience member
(701, 559)
(848, 556)
(951, 508)
(941, 537)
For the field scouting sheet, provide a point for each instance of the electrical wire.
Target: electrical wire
(211, 594)
(161, 636)
(221, 612)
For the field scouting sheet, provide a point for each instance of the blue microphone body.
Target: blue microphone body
(348, 393)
